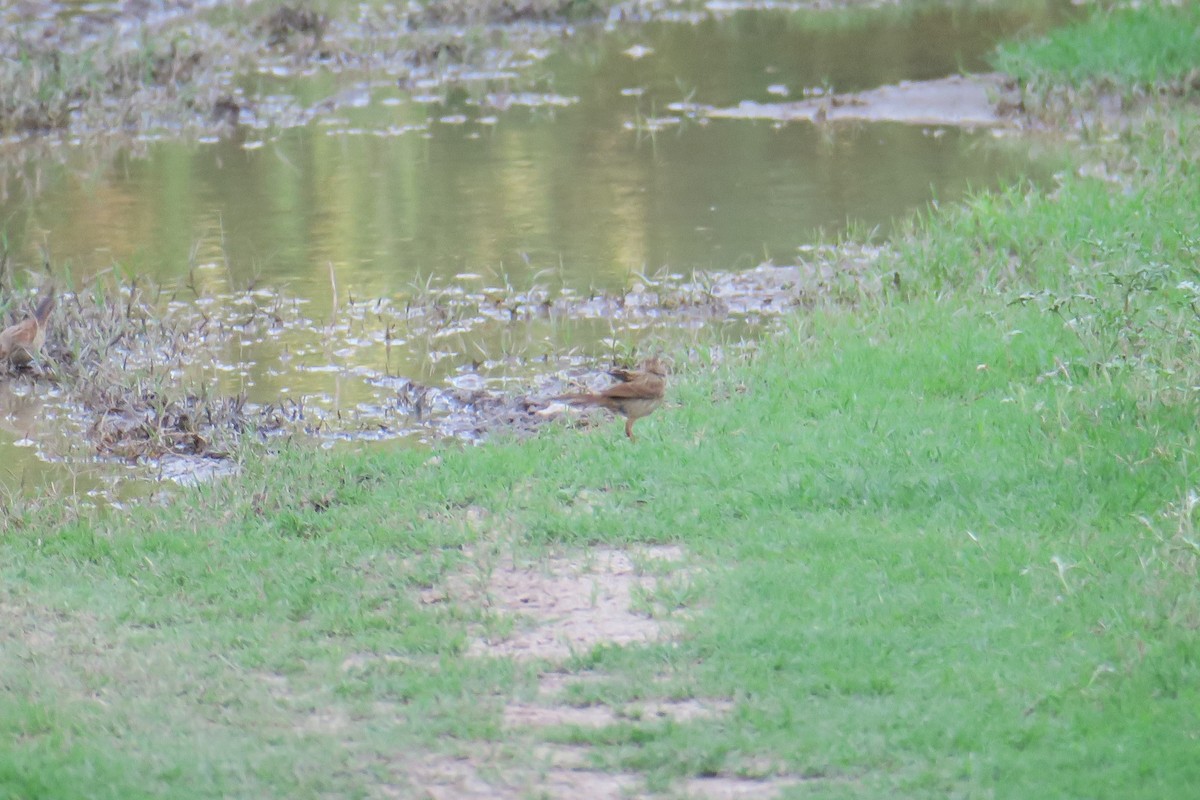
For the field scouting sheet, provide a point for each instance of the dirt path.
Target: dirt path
(563, 606)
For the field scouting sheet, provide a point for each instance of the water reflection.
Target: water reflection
(570, 189)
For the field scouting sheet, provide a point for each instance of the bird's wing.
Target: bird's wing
(634, 390)
(624, 375)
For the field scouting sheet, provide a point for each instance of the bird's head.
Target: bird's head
(656, 366)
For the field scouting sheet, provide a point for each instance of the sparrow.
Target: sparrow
(637, 395)
(21, 343)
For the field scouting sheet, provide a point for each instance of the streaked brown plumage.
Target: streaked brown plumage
(638, 394)
(21, 343)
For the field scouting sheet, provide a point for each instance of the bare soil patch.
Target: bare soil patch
(443, 777)
(553, 707)
(728, 788)
(529, 715)
(556, 773)
(562, 605)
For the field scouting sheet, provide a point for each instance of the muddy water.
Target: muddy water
(585, 183)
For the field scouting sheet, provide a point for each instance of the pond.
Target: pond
(597, 179)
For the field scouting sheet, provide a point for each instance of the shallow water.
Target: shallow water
(585, 183)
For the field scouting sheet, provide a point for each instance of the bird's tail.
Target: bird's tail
(42, 312)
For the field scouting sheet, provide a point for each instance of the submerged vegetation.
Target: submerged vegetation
(140, 373)
(186, 70)
(107, 86)
(130, 373)
(938, 537)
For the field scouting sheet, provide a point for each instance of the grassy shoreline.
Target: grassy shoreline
(941, 544)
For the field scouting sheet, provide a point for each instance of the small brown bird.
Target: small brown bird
(21, 343)
(637, 395)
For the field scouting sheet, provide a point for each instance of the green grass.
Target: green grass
(944, 542)
(1151, 46)
(893, 610)
(1114, 257)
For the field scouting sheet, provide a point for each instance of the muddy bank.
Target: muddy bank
(991, 100)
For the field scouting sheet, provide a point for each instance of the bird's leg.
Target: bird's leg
(629, 429)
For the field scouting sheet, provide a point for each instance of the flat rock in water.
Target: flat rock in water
(966, 101)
